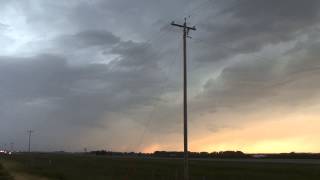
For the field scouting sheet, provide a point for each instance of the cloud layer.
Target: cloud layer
(107, 74)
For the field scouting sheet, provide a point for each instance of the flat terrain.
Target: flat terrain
(4, 175)
(87, 167)
(285, 161)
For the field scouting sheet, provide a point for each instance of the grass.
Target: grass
(80, 167)
(4, 175)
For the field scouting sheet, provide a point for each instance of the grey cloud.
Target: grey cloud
(250, 26)
(273, 11)
(88, 38)
(3, 26)
(4, 39)
(23, 78)
(135, 54)
(46, 90)
(134, 74)
(255, 84)
(92, 86)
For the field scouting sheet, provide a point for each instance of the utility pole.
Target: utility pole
(30, 132)
(11, 147)
(186, 30)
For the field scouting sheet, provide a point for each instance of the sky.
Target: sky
(107, 74)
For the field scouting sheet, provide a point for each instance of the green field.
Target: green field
(4, 175)
(87, 167)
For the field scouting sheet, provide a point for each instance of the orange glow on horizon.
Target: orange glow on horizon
(276, 132)
(151, 148)
(265, 137)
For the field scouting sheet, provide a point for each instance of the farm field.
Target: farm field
(4, 175)
(88, 167)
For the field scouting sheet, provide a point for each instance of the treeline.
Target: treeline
(112, 153)
(222, 154)
(175, 154)
(293, 155)
(219, 155)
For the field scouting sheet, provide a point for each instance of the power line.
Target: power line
(150, 117)
(149, 120)
(146, 43)
(158, 36)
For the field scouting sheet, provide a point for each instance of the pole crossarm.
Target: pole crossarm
(184, 26)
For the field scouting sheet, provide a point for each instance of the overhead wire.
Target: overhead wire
(149, 119)
(148, 122)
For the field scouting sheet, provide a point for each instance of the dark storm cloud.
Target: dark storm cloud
(102, 14)
(45, 92)
(89, 90)
(248, 26)
(134, 55)
(102, 67)
(88, 38)
(248, 85)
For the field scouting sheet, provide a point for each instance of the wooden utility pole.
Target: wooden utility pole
(186, 30)
(30, 132)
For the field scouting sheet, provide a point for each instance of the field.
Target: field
(4, 175)
(87, 167)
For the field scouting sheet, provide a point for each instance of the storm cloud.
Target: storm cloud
(107, 74)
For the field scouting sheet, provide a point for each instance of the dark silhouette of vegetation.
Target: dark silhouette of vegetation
(293, 155)
(221, 154)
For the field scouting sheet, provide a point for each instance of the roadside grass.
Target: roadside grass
(4, 175)
(87, 167)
